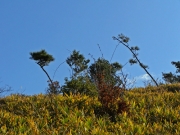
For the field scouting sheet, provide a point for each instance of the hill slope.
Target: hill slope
(151, 111)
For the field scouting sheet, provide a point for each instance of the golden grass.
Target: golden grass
(152, 111)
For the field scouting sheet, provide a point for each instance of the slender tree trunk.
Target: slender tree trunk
(48, 77)
(138, 60)
(50, 81)
(47, 74)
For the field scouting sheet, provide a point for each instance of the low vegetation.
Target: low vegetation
(152, 110)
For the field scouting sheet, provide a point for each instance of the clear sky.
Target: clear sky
(60, 26)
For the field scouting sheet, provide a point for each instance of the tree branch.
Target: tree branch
(135, 56)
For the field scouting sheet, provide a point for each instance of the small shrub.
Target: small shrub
(109, 95)
(54, 88)
(175, 87)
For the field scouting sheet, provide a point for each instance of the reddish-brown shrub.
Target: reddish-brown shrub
(109, 96)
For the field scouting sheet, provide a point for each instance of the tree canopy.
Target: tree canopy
(170, 77)
(42, 57)
(84, 77)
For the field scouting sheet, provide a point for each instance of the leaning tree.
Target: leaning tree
(42, 58)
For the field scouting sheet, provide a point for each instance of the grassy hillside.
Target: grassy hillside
(151, 111)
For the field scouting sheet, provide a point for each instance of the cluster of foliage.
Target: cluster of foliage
(54, 88)
(79, 81)
(84, 78)
(109, 95)
(170, 77)
(150, 112)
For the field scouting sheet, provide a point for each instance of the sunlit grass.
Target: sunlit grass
(152, 111)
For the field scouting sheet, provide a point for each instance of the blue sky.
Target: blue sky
(58, 26)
